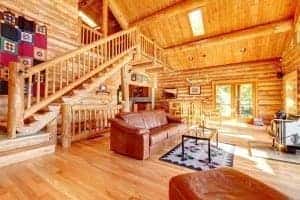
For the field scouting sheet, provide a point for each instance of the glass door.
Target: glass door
(245, 101)
(224, 100)
(236, 101)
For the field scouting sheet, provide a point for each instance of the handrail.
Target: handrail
(81, 121)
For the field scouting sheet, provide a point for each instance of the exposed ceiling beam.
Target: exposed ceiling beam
(268, 29)
(184, 6)
(116, 11)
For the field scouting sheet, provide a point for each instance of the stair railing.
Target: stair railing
(35, 88)
(81, 121)
(89, 35)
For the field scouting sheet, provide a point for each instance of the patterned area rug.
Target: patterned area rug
(196, 156)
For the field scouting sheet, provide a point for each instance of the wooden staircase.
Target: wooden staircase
(65, 80)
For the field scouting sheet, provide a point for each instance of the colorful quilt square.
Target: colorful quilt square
(9, 18)
(25, 49)
(27, 37)
(10, 32)
(26, 25)
(39, 54)
(8, 46)
(26, 62)
(40, 41)
(41, 29)
(6, 58)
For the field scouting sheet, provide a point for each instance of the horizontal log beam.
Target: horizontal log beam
(268, 29)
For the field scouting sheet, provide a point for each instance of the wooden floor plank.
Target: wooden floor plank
(90, 171)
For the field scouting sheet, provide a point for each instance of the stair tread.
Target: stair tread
(8, 144)
(14, 151)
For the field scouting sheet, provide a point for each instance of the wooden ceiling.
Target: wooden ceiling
(166, 22)
(93, 8)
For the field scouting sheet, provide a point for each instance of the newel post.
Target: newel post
(15, 114)
(66, 122)
(125, 88)
(138, 54)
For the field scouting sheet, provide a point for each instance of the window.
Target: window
(196, 22)
(86, 19)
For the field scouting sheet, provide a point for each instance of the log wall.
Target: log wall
(291, 63)
(60, 16)
(263, 74)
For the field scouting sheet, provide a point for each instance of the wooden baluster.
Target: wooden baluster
(46, 82)
(15, 100)
(79, 122)
(78, 66)
(29, 92)
(105, 118)
(73, 122)
(73, 69)
(82, 68)
(90, 121)
(38, 88)
(89, 61)
(54, 79)
(60, 75)
(84, 120)
(101, 118)
(67, 72)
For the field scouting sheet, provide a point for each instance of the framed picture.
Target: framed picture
(195, 90)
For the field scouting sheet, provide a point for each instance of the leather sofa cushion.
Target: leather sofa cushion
(161, 117)
(133, 119)
(174, 129)
(158, 134)
(223, 183)
(149, 119)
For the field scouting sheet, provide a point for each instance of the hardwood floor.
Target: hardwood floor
(90, 171)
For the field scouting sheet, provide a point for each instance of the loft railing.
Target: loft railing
(89, 35)
(81, 121)
(150, 49)
(33, 89)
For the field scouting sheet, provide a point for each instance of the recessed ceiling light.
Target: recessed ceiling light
(196, 22)
(86, 19)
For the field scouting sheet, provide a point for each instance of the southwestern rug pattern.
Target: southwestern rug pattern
(196, 156)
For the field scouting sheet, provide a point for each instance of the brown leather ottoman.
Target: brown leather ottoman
(220, 184)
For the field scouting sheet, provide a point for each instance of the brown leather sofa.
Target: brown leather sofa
(142, 134)
(223, 183)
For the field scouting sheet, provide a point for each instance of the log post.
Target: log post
(125, 89)
(52, 129)
(153, 90)
(105, 18)
(15, 114)
(66, 122)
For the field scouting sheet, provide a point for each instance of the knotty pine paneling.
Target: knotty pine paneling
(60, 16)
(263, 74)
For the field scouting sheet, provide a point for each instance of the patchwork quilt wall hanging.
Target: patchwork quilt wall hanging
(21, 40)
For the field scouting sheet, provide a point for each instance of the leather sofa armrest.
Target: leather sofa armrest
(129, 140)
(173, 119)
(123, 126)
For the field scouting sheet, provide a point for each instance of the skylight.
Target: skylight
(196, 22)
(86, 19)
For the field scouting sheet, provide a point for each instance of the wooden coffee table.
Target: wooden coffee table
(202, 133)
